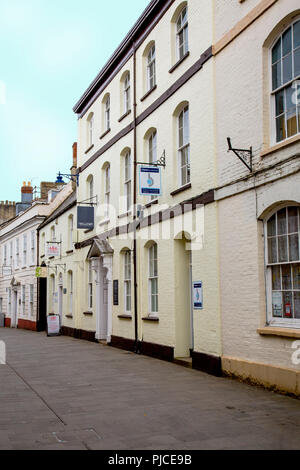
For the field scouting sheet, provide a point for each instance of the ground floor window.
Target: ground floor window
(90, 286)
(283, 265)
(31, 299)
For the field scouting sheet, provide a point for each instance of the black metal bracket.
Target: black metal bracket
(60, 177)
(160, 162)
(245, 155)
(86, 202)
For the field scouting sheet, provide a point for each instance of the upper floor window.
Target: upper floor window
(184, 147)
(52, 234)
(107, 191)
(152, 152)
(182, 34)
(90, 129)
(24, 250)
(127, 180)
(107, 113)
(32, 247)
(5, 255)
(151, 68)
(285, 56)
(11, 254)
(283, 265)
(17, 252)
(71, 231)
(127, 93)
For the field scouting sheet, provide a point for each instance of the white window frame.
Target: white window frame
(11, 247)
(107, 192)
(32, 248)
(127, 180)
(277, 321)
(5, 255)
(184, 146)
(127, 282)
(9, 296)
(127, 96)
(107, 113)
(23, 297)
(91, 130)
(151, 68)
(17, 252)
(283, 87)
(71, 231)
(152, 153)
(182, 30)
(31, 295)
(90, 286)
(152, 278)
(25, 249)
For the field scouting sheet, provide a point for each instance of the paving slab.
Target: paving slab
(63, 393)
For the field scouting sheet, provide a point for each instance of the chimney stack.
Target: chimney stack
(26, 193)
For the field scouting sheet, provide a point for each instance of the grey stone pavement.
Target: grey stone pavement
(63, 393)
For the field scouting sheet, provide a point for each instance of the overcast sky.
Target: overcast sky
(50, 52)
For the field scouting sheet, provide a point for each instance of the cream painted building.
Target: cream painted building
(257, 59)
(134, 271)
(19, 286)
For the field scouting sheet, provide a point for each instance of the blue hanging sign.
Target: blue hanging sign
(198, 295)
(150, 181)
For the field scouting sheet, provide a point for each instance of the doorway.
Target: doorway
(60, 297)
(42, 304)
(184, 336)
(14, 317)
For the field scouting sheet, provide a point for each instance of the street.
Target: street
(63, 393)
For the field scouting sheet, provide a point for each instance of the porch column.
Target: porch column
(96, 269)
(108, 265)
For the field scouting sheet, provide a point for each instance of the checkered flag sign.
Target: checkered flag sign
(2, 353)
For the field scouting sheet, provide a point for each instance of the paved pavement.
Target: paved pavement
(63, 393)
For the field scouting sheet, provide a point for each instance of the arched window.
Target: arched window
(151, 69)
(107, 113)
(107, 191)
(90, 129)
(182, 40)
(70, 281)
(127, 93)
(127, 281)
(285, 58)
(90, 187)
(70, 232)
(153, 280)
(283, 265)
(152, 152)
(184, 147)
(127, 180)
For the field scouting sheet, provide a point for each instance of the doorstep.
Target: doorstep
(184, 361)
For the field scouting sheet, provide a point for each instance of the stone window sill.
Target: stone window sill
(152, 203)
(125, 317)
(124, 115)
(148, 318)
(179, 190)
(280, 145)
(104, 134)
(90, 148)
(179, 62)
(148, 92)
(276, 331)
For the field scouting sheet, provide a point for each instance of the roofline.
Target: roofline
(115, 58)
(54, 215)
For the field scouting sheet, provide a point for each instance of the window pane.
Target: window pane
(279, 100)
(272, 226)
(280, 129)
(286, 277)
(287, 68)
(282, 249)
(287, 42)
(276, 51)
(293, 219)
(297, 63)
(276, 75)
(291, 112)
(277, 304)
(281, 222)
(287, 305)
(272, 249)
(294, 247)
(297, 304)
(297, 34)
(296, 276)
(276, 282)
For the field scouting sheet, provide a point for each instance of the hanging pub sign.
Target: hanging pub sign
(85, 217)
(53, 249)
(150, 180)
(198, 295)
(40, 272)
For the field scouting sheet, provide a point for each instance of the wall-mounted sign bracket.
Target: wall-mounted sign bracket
(70, 177)
(160, 162)
(87, 202)
(245, 155)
